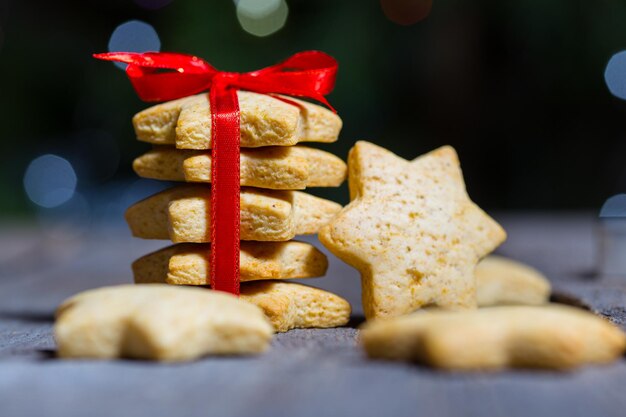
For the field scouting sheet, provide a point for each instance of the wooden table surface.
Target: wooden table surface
(307, 372)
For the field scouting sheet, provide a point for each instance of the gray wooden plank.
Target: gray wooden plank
(307, 372)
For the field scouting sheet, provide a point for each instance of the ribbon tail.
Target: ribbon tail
(225, 188)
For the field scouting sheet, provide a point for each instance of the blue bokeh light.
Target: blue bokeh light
(50, 181)
(614, 207)
(615, 75)
(134, 36)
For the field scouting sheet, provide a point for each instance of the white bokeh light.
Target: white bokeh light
(50, 181)
(262, 17)
(615, 75)
(134, 36)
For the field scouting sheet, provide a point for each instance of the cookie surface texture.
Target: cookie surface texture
(411, 230)
(289, 305)
(188, 263)
(278, 168)
(553, 337)
(502, 281)
(181, 214)
(265, 121)
(158, 322)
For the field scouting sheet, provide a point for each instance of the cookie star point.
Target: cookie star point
(411, 230)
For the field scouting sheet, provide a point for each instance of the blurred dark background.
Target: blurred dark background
(518, 87)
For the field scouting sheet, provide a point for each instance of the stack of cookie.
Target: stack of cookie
(273, 167)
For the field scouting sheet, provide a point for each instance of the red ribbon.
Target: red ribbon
(162, 76)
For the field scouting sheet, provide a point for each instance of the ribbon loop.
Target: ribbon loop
(162, 76)
(309, 74)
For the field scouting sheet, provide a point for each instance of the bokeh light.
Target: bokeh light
(50, 181)
(615, 75)
(614, 207)
(152, 4)
(134, 36)
(262, 17)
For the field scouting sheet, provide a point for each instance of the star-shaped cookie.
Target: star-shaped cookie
(411, 230)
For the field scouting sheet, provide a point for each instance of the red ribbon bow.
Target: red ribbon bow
(161, 76)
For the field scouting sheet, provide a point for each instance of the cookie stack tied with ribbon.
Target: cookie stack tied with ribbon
(273, 167)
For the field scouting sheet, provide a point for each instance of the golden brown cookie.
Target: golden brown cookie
(411, 230)
(553, 336)
(278, 168)
(181, 214)
(158, 322)
(289, 305)
(265, 121)
(501, 281)
(188, 263)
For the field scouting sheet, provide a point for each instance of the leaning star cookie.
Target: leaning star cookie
(289, 305)
(554, 336)
(278, 168)
(411, 230)
(504, 281)
(158, 322)
(188, 263)
(181, 214)
(265, 121)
